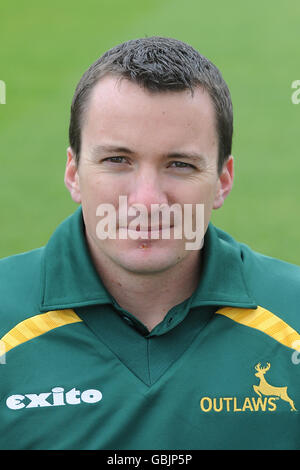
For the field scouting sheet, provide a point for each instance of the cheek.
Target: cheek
(201, 194)
(194, 193)
(98, 189)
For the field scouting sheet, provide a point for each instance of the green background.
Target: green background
(46, 47)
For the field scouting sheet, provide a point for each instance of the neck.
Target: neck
(148, 297)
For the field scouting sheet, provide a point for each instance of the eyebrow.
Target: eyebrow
(196, 157)
(98, 149)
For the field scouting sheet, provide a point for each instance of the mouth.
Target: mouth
(139, 228)
(152, 229)
(157, 232)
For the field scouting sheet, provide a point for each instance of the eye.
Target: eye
(117, 159)
(178, 164)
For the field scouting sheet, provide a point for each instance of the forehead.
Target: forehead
(123, 110)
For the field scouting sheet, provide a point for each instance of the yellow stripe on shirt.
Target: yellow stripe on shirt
(265, 321)
(36, 326)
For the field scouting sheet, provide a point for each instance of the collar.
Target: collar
(222, 281)
(69, 278)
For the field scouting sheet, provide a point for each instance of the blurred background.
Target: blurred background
(45, 47)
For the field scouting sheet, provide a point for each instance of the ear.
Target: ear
(225, 183)
(71, 177)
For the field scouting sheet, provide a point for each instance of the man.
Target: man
(121, 337)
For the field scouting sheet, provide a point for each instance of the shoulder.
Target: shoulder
(260, 267)
(275, 284)
(20, 278)
(271, 270)
(272, 283)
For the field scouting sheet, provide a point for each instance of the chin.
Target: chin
(148, 258)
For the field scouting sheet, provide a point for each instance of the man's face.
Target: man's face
(153, 148)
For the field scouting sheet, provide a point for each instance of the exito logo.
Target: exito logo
(266, 400)
(2, 92)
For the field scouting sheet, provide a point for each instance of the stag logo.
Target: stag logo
(264, 388)
(264, 402)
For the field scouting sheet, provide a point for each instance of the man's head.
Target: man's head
(158, 65)
(151, 121)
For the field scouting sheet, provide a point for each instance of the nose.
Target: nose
(147, 188)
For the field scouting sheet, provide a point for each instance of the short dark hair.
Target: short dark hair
(159, 64)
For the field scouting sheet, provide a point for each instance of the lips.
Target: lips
(138, 228)
(151, 229)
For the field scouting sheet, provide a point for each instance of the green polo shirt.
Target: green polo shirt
(221, 371)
